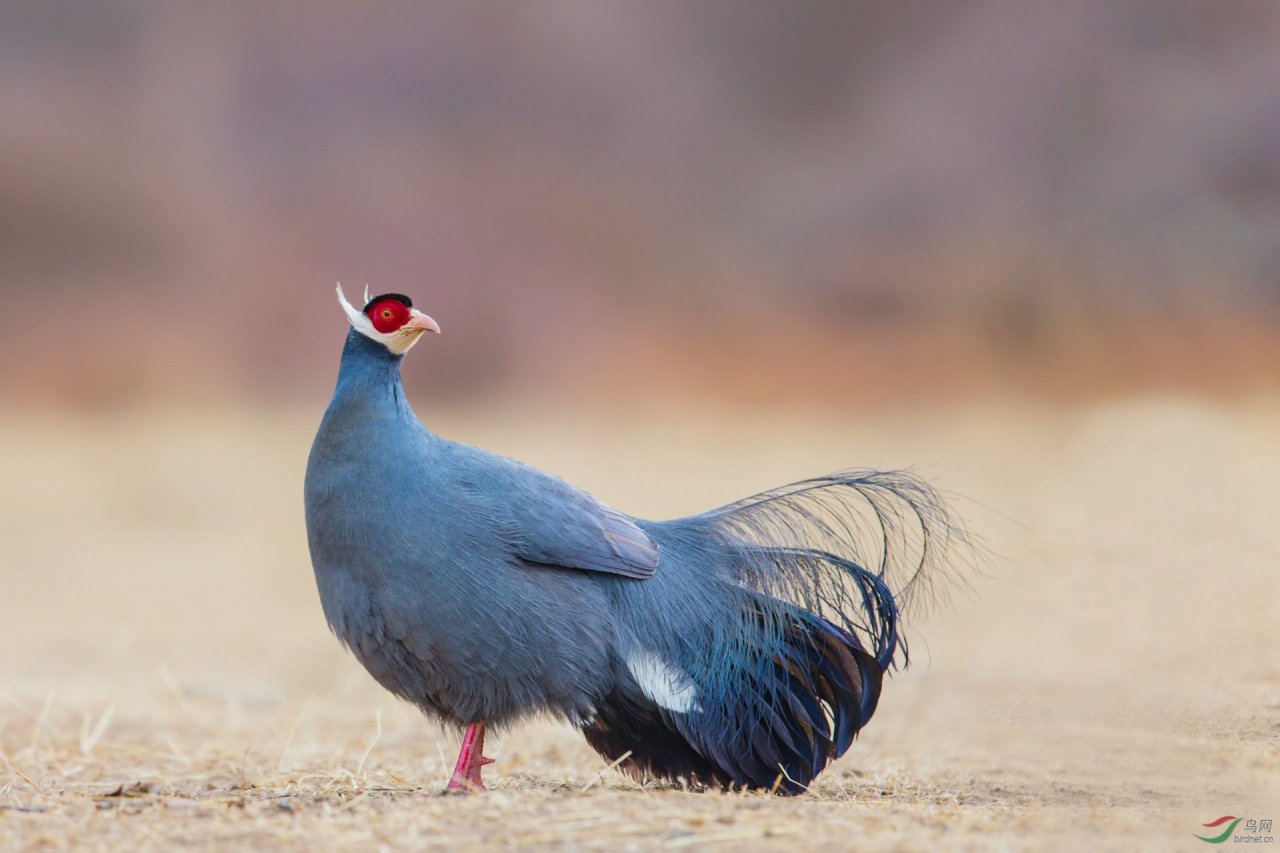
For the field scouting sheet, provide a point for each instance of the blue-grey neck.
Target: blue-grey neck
(369, 388)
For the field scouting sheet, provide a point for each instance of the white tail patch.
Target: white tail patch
(663, 683)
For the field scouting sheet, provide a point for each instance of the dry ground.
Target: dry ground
(166, 677)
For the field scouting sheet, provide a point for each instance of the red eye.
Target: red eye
(388, 315)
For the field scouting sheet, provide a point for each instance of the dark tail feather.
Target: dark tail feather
(807, 570)
(775, 726)
(879, 607)
(628, 724)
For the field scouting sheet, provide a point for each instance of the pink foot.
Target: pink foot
(466, 774)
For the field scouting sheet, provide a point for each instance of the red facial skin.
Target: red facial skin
(388, 315)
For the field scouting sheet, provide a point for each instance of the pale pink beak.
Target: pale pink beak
(418, 320)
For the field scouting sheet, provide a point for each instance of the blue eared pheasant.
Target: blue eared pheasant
(741, 647)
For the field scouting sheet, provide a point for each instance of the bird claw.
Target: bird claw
(465, 785)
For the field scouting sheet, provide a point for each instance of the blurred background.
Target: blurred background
(680, 252)
(838, 201)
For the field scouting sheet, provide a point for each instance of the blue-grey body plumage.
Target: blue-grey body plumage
(743, 646)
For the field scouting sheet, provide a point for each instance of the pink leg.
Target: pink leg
(466, 774)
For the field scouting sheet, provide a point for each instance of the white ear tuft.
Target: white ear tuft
(367, 297)
(354, 316)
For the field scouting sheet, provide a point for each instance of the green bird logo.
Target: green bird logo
(1226, 833)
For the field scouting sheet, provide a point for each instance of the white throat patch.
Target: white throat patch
(399, 342)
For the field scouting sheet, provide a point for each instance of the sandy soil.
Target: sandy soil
(1112, 682)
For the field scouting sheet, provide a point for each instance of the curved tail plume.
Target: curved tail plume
(854, 547)
(810, 580)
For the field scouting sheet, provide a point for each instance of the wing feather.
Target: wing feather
(551, 522)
